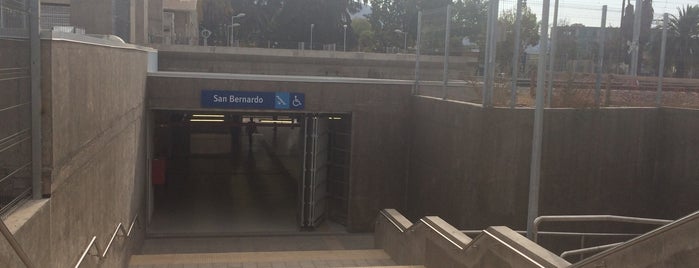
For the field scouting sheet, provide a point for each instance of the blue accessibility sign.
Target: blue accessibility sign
(252, 100)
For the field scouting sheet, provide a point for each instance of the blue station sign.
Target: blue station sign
(252, 100)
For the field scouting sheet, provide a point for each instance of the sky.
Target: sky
(589, 12)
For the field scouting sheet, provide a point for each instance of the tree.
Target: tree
(284, 21)
(627, 23)
(366, 40)
(388, 15)
(683, 40)
(213, 15)
(528, 33)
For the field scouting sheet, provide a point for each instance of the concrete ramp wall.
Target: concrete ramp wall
(432, 242)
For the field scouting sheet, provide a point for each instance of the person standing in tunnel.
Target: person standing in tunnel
(250, 129)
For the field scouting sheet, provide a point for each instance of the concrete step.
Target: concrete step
(279, 259)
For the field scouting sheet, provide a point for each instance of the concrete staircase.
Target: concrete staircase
(277, 259)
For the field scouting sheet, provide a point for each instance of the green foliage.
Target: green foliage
(285, 22)
(682, 41)
(528, 33)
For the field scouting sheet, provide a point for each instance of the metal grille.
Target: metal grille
(14, 19)
(54, 15)
(15, 105)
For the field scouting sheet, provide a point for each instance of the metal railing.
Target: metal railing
(93, 242)
(589, 250)
(15, 245)
(592, 218)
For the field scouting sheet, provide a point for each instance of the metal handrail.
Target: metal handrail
(476, 232)
(585, 218)
(591, 218)
(589, 250)
(93, 242)
(15, 245)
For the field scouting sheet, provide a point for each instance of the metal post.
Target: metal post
(344, 39)
(600, 57)
(535, 168)
(489, 68)
(416, 88)
(486, 58)
(638, 13)
(515, 54)
(552, 56)
(35, 54)
(405, 42)
(445, 75)
(493, 52)
(661, 69)
(311, 45)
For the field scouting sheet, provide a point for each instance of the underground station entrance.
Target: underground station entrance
(229, 173)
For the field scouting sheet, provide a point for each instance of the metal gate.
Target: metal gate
(339, 128)
(315, 171)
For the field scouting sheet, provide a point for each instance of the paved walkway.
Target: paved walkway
(299, 242)
(286, 259)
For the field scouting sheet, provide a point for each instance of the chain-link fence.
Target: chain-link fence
(15, 104)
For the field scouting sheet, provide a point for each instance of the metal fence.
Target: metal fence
(15, 104)
(592, 57)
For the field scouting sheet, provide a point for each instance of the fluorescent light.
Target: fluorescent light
(205, 120)
(281, 121)
(209, 115)
(334, 118)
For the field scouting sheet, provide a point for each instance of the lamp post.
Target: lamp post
(344, 39)
(311, 46)
(405, 39)
(233, 25)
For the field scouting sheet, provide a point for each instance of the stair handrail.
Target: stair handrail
(103, 254)
(15, 245)
(587, 218)
(589, 250)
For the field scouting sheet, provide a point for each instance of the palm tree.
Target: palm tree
(683, 40)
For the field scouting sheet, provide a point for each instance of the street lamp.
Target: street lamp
(312, 25)
(233, 25)
(405, 39)
(344, 39)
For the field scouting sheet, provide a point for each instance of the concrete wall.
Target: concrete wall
(94, 144)
(477, 161)
(313, 63)
(678, 172)
(93, 153)
(380, 127)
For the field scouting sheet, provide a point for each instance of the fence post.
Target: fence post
(552, 60)
(535, 168)
(445, 77)
(661, 69)
(416, 87)
(600, 60)
(515, 54)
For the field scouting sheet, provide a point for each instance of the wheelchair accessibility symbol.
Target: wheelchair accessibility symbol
(297, 101)
(287, 100)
